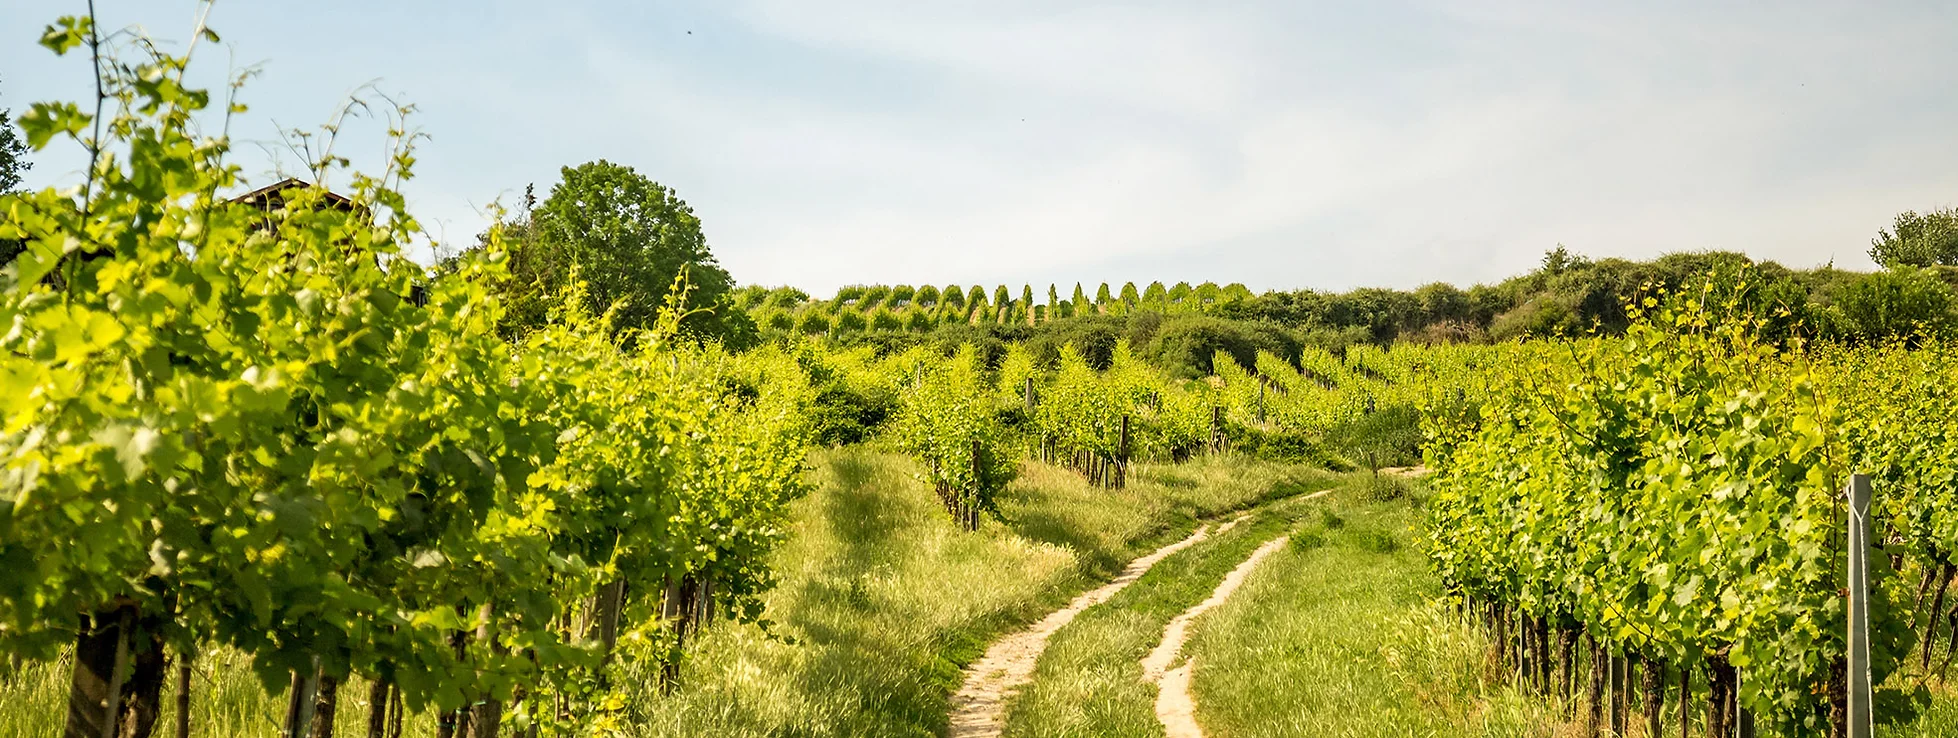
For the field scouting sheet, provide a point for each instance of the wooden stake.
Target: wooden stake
(326, 704)
(377, 708)
(1122, 469)
(1595, 702)
(1655, 697)
(184, 661)
(1685, 700)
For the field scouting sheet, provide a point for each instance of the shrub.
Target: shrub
(1389, 436)
(1376, 541)
(1385, 488)
(1186, 344)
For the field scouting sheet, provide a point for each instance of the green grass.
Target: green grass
(884, 598)
(1339, 635)
(1089, 680)
(1336, 635)
(227, 701)
(1940, 720)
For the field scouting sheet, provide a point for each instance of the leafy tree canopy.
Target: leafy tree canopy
(13, 161)
(629, 238)
(1918, 240)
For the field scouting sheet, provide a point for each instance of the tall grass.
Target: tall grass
(885, 599)
(1338, 635)
(227, 700)
(1090, 681)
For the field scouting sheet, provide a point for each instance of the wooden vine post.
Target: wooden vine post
(101, 657)
(971, 517)
(1261, 402)
(1216, 429)
(1029, 394)
(1860, 722)
(300, 702)
(1122, 456)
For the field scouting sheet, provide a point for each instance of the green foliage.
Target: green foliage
(1388, 436)
(948, 421)
(848, 403)
(1094, 336)
(1905, 302)
(1385, 488)
(1918, 240)
(628, 237)
(13, 162)
(236, 422)
(1186, 344)
(1673, 491)
(13, 155)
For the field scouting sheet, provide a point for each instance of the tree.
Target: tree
(1179, 296)
(13, 154)
(1102, 297)
(979, 310)
(1905, 302)
(13, 161)
(1559, 260)
(629, 238)
(785, 298)
(1918, 240)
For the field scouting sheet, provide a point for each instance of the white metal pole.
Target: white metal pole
(1860, 723)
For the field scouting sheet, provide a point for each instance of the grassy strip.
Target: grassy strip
(1089, 681)
(1337, 636)
(886, 599)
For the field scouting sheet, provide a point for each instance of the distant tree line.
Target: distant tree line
(1182, 326)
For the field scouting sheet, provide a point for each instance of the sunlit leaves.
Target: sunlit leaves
(1675, 492)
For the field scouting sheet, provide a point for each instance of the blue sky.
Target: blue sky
(1278, 144)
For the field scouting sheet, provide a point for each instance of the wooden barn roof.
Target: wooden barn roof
(272, 195)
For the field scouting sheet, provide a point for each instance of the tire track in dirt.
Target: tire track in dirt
(1175, 704)
(979, 707)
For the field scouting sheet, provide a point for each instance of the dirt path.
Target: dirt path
(1407, 472)
(979, 708)
(1175, 707)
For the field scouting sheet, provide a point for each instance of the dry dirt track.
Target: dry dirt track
(1175, 707)
(979, 707)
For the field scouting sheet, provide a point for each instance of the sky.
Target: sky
(1283, 145)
